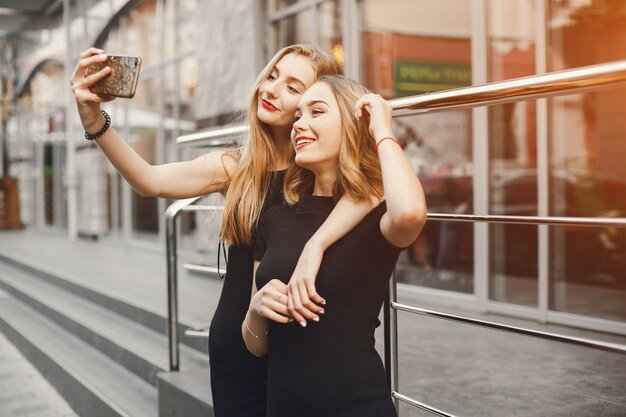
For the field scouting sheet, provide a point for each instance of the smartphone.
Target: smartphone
(122, 81)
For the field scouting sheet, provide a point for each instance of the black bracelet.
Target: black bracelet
(107, 123)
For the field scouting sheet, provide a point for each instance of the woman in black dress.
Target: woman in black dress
(251, 179)
(330, 368)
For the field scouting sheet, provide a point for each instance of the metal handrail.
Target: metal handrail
(564, 82)
(531, 220)
(171, 214)
(213, 137)
(537, 86)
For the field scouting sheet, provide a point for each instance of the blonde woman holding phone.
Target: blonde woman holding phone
(251, 179)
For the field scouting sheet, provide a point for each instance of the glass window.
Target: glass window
(587, 171)
(297, 28)
(142, 37)
(513, 156)
(411, 48)
(329, 18)
(318, 24)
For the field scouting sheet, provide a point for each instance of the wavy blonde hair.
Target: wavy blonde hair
(359, 173)
(257, 155)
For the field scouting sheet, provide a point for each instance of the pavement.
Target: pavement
(461, 369)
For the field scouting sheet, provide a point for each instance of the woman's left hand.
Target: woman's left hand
(302, 295)
(379, 110)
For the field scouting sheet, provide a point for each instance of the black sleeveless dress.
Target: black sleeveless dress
(329, 368)
(238, 378)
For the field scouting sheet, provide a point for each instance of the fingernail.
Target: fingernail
(103, 56)
(324, 302)
(321, 311)
(316, 319)
(303, 323)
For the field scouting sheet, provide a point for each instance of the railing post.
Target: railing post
(172, 287)
(391, 339)
(171, 215)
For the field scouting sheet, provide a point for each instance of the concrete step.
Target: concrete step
(185, 394)
(112, 301)
(92, 383)
(132, 345)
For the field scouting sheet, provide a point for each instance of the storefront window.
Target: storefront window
(297, 28)
(413, 48)
(41, 123)
(513, 156)
(329, 18)
(142, 37)
(587, 171)
(319, 24)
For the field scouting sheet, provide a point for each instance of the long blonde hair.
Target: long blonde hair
(257, 155)
(358, 173)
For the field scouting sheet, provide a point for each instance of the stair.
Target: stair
(106, 356)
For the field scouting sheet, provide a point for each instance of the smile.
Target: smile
(302, 141)
(269, 106)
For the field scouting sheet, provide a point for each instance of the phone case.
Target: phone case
(123, 79)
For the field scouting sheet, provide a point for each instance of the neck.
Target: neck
(282, 141)
(325, 182)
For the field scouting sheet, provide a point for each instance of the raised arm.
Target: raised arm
(304, 301)
(406, 204)
(203, 175)
(267, 304)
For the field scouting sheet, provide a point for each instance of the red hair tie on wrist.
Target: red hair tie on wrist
(390, 138)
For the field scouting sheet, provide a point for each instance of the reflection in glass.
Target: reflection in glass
(587, 171)
(513, 156)
(329, 15)
(295, 29)
(411, 48)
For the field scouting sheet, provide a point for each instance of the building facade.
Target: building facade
(550, 157)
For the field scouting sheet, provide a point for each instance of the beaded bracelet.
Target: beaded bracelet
(254, 334)
(390, 138)
(107, 123)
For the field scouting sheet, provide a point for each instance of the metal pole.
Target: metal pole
(3, 109)
(70, 148)
(570, 81)
(537, 86)
(172, 284)
(392, 366)
(580, 341)
(171, 214)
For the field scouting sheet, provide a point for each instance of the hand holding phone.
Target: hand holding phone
(123, 79)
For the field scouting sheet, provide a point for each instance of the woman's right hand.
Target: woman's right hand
(87, 102)
(270, 302)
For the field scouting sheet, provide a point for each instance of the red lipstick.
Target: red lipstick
(269, 106)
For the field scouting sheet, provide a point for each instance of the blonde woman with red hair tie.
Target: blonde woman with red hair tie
(344, 147)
